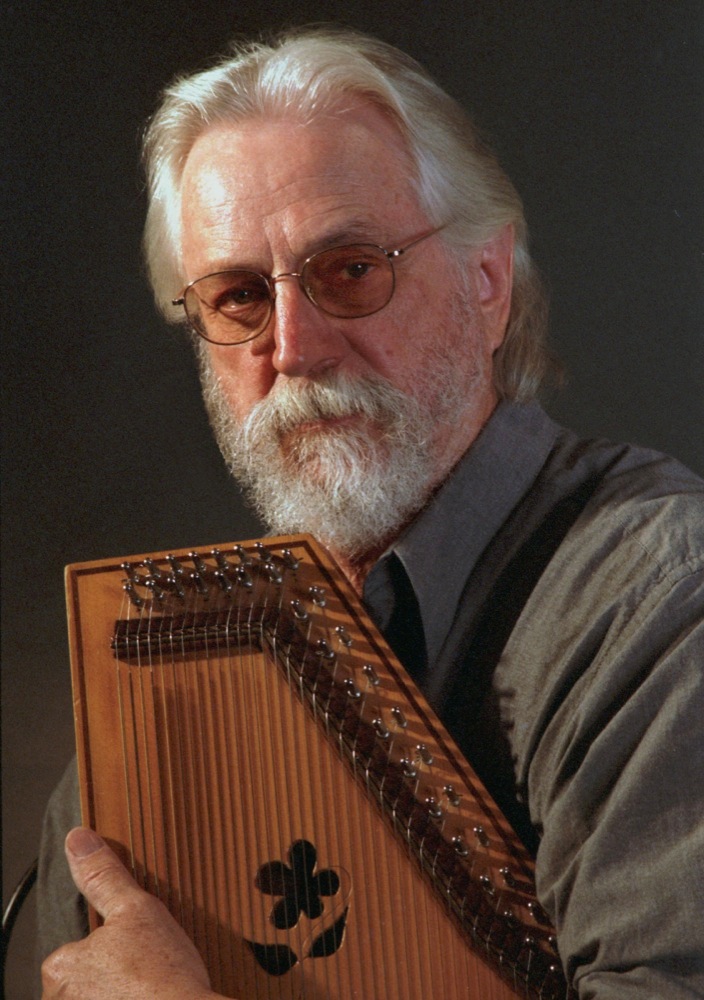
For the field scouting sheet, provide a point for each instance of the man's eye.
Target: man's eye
(238, 297)
(358, 269)
(234, 297)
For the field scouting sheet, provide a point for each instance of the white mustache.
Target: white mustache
(329, 397)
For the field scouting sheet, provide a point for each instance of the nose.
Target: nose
(305, 340)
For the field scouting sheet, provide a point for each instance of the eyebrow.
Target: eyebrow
(352, 232)
(356, 231)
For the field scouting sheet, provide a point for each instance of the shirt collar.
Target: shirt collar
(441, 547)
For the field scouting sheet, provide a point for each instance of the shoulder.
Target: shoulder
(629, 561)
(641, 517)
(616, 551)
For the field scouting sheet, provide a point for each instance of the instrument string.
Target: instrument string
(228, 660)
(284, 751)
(190, 756)
(372, 870)
(266, 840)
(437, 972)
(155, 792)
(405, 861)
(252, 756)
(219, 752)
(462, 973)
(120, 671)
(325, 838)
(295, 781)
(400, 855)
(209, 793)
(174, 840)
(399, 966)
(370, 900)
(385, 909)
(141, 774)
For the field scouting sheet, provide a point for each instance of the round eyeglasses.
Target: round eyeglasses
(349, 282)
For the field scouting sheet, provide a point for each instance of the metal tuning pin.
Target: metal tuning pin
(290, 559)
(199, 584)
(351, 689)
(317, 596)
(460, 847)
(220, 560)
(424, 754)
(263, 552)
(508, 877)
(371, 674)
(487, 885)
(273, 572)
(242, 555)
(399, 718)
(323, 650)
(451, 795)
(201, 567)
(527, 951)
(176, 568)
(299, 612)
(380, 729)
(132, 574)
(481, 836)
(242, 577)
(343, 635)
(224, 581)
(408, 767)
(135, 599)
(433, 808)
(538, 913)
(154, 572)
(155, 588)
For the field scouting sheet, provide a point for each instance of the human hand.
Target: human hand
(139, 953)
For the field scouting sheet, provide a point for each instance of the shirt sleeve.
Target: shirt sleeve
(608, 745)
(61, 911)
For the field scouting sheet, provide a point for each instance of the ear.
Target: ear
(494, 284)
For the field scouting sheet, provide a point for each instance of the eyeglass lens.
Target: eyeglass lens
(235, 306)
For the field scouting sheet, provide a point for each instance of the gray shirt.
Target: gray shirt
(560, 589)
(553, 595)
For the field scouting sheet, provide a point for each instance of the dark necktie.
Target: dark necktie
(393, 607)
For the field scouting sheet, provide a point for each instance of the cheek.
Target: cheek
(401, 349)
(246, 378)
(390, 344)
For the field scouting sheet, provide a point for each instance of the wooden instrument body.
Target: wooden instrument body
(251, 748)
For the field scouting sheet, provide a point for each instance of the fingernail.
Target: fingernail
(82, 842)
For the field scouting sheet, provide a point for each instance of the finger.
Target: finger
(98, 873)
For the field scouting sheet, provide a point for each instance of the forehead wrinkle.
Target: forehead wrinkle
(319, 235)
(263, 216)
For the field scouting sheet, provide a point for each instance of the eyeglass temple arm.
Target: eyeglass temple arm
(409, 246)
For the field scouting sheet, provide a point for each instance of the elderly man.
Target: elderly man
(369, 327)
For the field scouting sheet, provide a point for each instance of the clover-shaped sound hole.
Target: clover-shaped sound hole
(301, 891)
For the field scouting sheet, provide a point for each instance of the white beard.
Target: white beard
(355, 484)
(351, 485)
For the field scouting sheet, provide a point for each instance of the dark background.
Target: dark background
(596, 111)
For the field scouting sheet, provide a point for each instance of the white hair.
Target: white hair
(309, 73)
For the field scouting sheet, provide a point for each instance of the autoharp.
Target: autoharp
(251, 748)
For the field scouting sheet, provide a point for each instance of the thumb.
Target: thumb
(98, 873)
